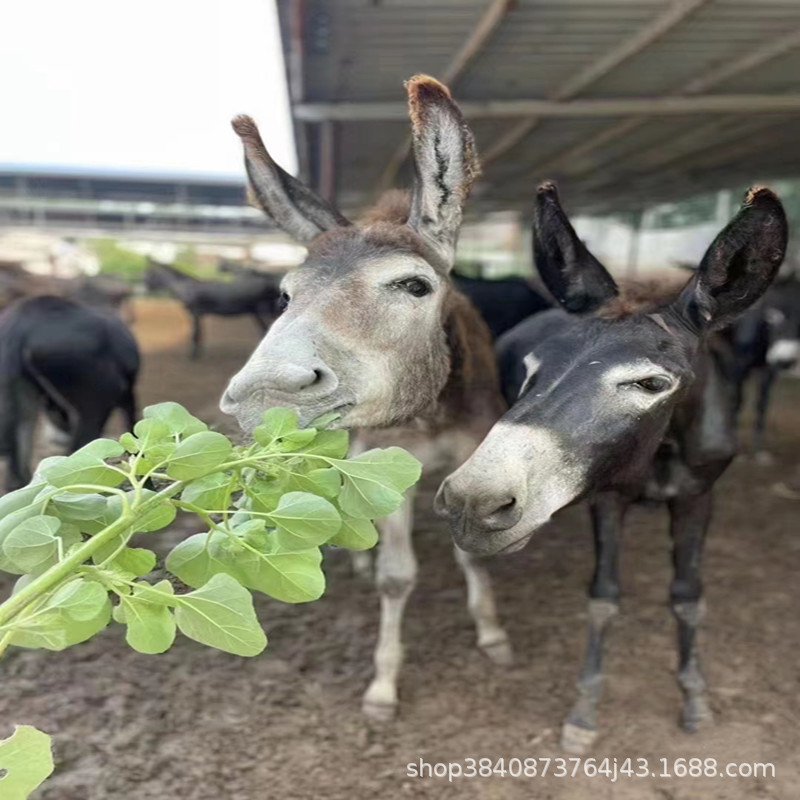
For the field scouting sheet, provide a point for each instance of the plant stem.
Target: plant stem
(48, 579)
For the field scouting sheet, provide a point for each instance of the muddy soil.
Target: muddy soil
(201, 725)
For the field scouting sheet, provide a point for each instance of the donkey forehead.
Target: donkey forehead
(605, 344)
(345, 250)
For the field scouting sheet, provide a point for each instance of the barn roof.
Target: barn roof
(624, 102)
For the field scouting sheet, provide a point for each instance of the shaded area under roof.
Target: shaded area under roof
(624, 102)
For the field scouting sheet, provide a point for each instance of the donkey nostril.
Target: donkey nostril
(499, 512)
(228, 400)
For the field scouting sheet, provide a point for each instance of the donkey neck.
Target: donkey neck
(471, 396)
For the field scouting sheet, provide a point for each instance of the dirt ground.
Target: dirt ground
(202, 725)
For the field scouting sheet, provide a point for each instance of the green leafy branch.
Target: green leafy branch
(268, 508)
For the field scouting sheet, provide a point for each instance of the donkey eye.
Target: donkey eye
(654, 384)
(284, 300)
(415, 286)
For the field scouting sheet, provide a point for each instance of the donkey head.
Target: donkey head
(604, 380)
(364, 331)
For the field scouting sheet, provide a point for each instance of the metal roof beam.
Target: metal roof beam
(598, 69)
(643, 107)
(702, 83)
(475, 42)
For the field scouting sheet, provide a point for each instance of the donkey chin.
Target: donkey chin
(509, 488)
(488, 522)
(484, 536)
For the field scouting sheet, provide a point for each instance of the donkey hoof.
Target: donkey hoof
(696, 714)
(576, 738)
(499, 652)
(379, 712)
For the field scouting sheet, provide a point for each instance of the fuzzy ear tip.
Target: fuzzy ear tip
(546, 192)
(757, 195)
(244, 126)
(423, 87)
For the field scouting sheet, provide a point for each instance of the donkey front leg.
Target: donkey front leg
(492, 639)
(580, 727)
(690, 517)
(395, 578)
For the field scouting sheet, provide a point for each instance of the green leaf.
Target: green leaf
(157, 454)
(197, 559)
(102, 449)
(332, 444)
(149, 431)
(9, 524)
(355, 534)
(296, 439)
(265, 494)
(289, 577)
(78, 507)
(80, 600)
(129, 442)
(32, 545)
(220, 614)
(21, 498)
(151, 626)
(326, 482)
(199, 454)
(86, 466)
(275, 423)
(133, 561)
(176, 418)
(322, 422)
(161, 593)
(208, 493)
(63, 620)
(304, 520)
(158, 517)
(26, 761)
(374, 482)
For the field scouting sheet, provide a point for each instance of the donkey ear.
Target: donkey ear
(740, 264)
(445, 163)
(294, 207)
(572, 274)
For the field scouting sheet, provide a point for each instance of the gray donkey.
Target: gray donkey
(374, 329)
(622, 399)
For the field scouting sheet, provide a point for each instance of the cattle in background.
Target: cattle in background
(259, 296)
(75, 364)
(622, 399)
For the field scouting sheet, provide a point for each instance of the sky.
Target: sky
(145, 86)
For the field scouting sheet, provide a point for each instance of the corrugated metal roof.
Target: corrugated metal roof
(360, 52)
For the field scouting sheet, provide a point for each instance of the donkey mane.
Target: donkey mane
(393, 206)
(471, 391)
(642, 296)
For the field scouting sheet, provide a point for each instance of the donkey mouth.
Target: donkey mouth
(516, 545)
